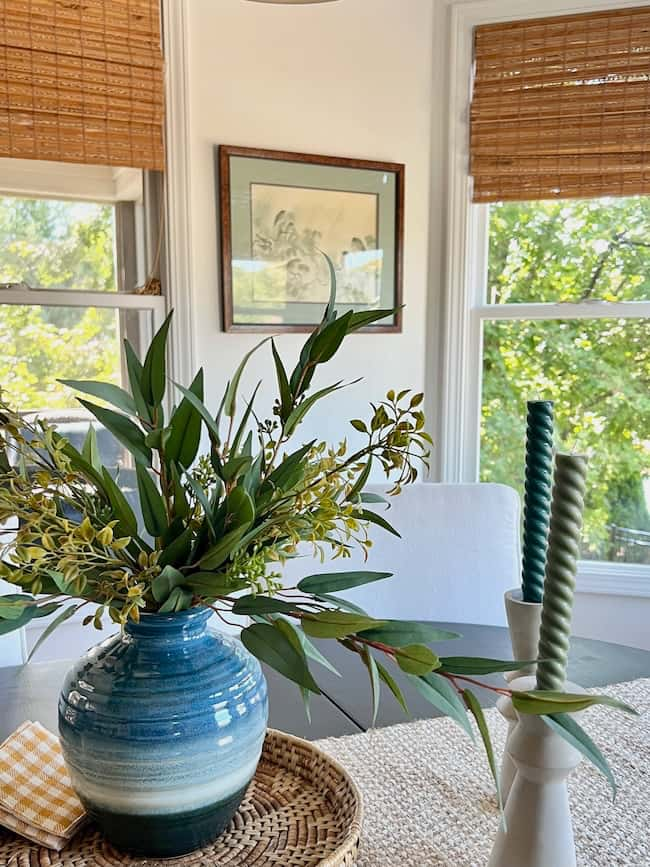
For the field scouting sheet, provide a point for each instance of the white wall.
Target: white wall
(350, 79)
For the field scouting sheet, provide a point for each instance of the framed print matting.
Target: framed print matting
(281, 211)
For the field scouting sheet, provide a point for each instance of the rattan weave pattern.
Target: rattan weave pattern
(302, 810)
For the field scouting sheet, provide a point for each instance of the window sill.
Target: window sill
(616, 579)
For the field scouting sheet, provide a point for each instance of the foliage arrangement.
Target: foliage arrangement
(214, 530)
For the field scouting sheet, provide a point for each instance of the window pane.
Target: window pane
(570, 250)
(41, 345)
(598, 374)
(53, 244)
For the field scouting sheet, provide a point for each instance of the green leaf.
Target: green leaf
(286, 398)
(330, 310)
(375, 687)
(478, 665)
(90, 449)
(128, 524)
(154, 367)
(28, 614)
(12, 607)
(300, 411)
(163, 584)
(185, 428)
(199, 406)
(477, 712)
(392, 686)
(441, 694)
(333, 582)
(66, 614)
(134, 370)
(344, 604)
(540, 701)
(123, 430)
(329, 339)
(270, 645)
(151, 502)
(240, 509)
(230, 402)
(362, 478)
(398, 633)
(374, 518)
(336, 624)
(312, 651)
(213, 584)
(177, 553)
(288, 630)
(252, 480)
(80, 463)
(180, 599)
(201, 497)
(416, 659)
(373, 498)
(181, 506)
(219, 553)
(244, 421)
(63, 585)
(235, 467)
(566, 726)
(106, 391)
(258, 604)
(291, 470)
(362, 319)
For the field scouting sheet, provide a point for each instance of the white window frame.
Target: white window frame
(465, 309)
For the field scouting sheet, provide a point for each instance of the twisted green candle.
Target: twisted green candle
(537, 499)
(561, 566)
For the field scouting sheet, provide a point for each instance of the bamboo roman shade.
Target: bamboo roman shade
(82, 81)
(561, 107)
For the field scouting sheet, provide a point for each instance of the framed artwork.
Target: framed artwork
(281, 211)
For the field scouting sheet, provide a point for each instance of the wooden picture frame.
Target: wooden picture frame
(279, 210)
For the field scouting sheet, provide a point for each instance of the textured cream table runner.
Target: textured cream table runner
(429, 799)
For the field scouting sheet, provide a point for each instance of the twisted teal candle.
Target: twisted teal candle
(561, 566)
(537, 499)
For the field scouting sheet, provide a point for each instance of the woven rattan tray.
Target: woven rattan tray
(301, 810)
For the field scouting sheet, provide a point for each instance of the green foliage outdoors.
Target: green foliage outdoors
(597, 371)
(54, 244)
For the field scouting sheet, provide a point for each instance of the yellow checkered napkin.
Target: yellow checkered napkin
(36, 797)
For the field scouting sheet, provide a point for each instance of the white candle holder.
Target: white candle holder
(537, 831)
(524, 620)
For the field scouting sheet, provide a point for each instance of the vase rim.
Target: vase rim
(153, 620)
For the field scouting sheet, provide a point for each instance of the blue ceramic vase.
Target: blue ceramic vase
(162, 729)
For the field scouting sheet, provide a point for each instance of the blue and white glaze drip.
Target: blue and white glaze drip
(162, 729)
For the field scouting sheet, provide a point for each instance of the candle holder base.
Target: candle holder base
(507, 711)
(537, 831)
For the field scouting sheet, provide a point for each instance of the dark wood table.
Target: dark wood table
(31, 691)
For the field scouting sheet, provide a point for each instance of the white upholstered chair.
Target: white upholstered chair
(458, 554)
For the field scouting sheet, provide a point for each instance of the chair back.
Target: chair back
(458, 553)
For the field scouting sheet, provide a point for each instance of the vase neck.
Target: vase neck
(179, 626)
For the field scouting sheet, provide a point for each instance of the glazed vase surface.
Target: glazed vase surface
(162, 728)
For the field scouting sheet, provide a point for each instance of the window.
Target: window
(594, 362)
(549, 260)
(68, 271)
